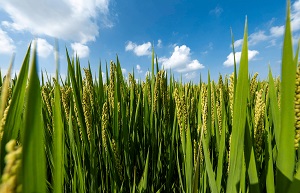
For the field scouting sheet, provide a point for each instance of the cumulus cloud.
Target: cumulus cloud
(230, 58)
(44, 49)
(139, 69)
(73, 20)
(180, 60)
(6, 43)
(80, 50)
(139, 50)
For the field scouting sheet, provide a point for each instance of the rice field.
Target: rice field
(81, 134)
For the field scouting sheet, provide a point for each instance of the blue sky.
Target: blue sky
(190, 37)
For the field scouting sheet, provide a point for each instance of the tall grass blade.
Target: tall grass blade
(143, 182)
(33, 157)
(79, 172)
(239, 119)
(286, 151)
(270, 186)
(250, 158)
(58, 136)
(209, 168)
(76, 93)
(274, 109)
(188, 161)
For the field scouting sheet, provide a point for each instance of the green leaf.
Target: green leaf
(250, 158)
(209, 168)
(239, 119)
(274, 107)
(14, 115)
(188, 161)
(58, 139)
(143, 182)
(76, 85)
(286, 150)
(270, 186)
(33, 155)
(79, 172)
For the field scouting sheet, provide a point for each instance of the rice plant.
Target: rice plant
(81, 134)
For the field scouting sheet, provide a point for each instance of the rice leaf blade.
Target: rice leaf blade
(58, 142)
(239, 119)
(33, 156)
(286, 152)
(209, 169)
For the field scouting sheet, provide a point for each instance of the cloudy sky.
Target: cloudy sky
(189, 37)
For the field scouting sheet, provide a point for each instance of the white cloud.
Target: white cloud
(139, 50)
(217, 11)
(80, 50)
(257, 37)
(230, 58)
(73, 20)
(139, 69)
(193, 65)
(159, 43)
(190, 75)
(295, 21)
(180, 60)
(204, 52)
(271, 43)
(296, 39)
(44, 49)
(237, 43)
(277, 31)
(12, 26)
(295, 16)
(124, 71)
(6, 43)
(253, 39)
